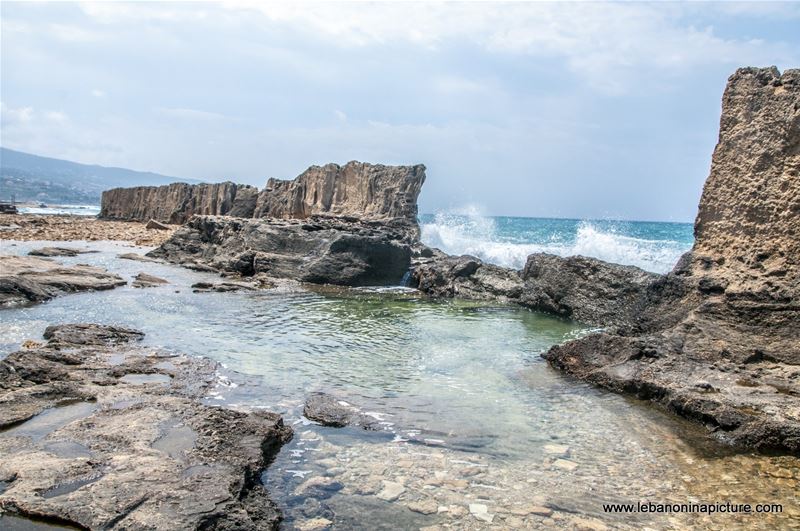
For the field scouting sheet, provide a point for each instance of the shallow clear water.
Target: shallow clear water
(507, 241)
(470, 412)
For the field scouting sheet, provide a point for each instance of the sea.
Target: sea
(507, 241)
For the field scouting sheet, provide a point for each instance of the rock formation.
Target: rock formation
(320, 250)
(176, 203)
(357, 189)
(716, 340)
(99, 433)
(366, 191)
(24, 279)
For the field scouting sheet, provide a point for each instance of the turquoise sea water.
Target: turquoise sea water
(507, 241)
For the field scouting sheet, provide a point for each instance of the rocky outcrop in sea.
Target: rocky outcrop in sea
(715, 340)
(357, 189)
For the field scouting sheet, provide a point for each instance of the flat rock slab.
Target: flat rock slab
(143, 280)
(100, 452)
(26, 279)
(59, 251)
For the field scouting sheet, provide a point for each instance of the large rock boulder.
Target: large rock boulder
(716, 340)
(357, 189)
(175, 203)
(320, 250)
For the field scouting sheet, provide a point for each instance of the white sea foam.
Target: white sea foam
(467, 232)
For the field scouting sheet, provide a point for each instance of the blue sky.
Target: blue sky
(538, 109)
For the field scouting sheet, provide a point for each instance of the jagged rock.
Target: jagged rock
(26, 280)
(143, 280)
(175, 203)
(716, 340)
(357, 189)
(585, 289)
(116, 436)
(156, 225)
(59, 251)
(320, 250)
(366, 191)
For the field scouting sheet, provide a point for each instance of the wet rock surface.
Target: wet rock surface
(330, 410)
(319, 250)
(143, 280)
(26, 280)
(89, 440)
(58, 251)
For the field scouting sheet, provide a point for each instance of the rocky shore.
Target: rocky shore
(715, 340)
(98, 432)
(77, 228)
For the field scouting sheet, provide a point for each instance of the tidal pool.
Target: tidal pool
(477, 431)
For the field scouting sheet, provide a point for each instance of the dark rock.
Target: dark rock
(201, 287)
(332, 411)
(205, 460)
(136, 257)
(342, 252)
(143, 280)
(58, 251)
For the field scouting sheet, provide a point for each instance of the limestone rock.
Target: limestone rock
(25, 280)
(715, 340)
(329, 410)
(357, 189)
(175, 203)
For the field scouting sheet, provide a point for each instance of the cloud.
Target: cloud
(97, 93)
(190, 114)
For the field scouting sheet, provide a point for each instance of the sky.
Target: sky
(580, 110)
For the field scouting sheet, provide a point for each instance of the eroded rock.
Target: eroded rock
(25, 280)
(716, 340)
(318, 250)
(99, 467)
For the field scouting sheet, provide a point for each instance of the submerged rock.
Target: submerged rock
(319, 250)
(330, 410)
(25, 280)
(96, 468)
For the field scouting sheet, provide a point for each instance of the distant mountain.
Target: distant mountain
(29, 177)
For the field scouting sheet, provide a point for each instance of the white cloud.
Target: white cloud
(14, 116)
(340, 115)
(97, 93)
(190, 114)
